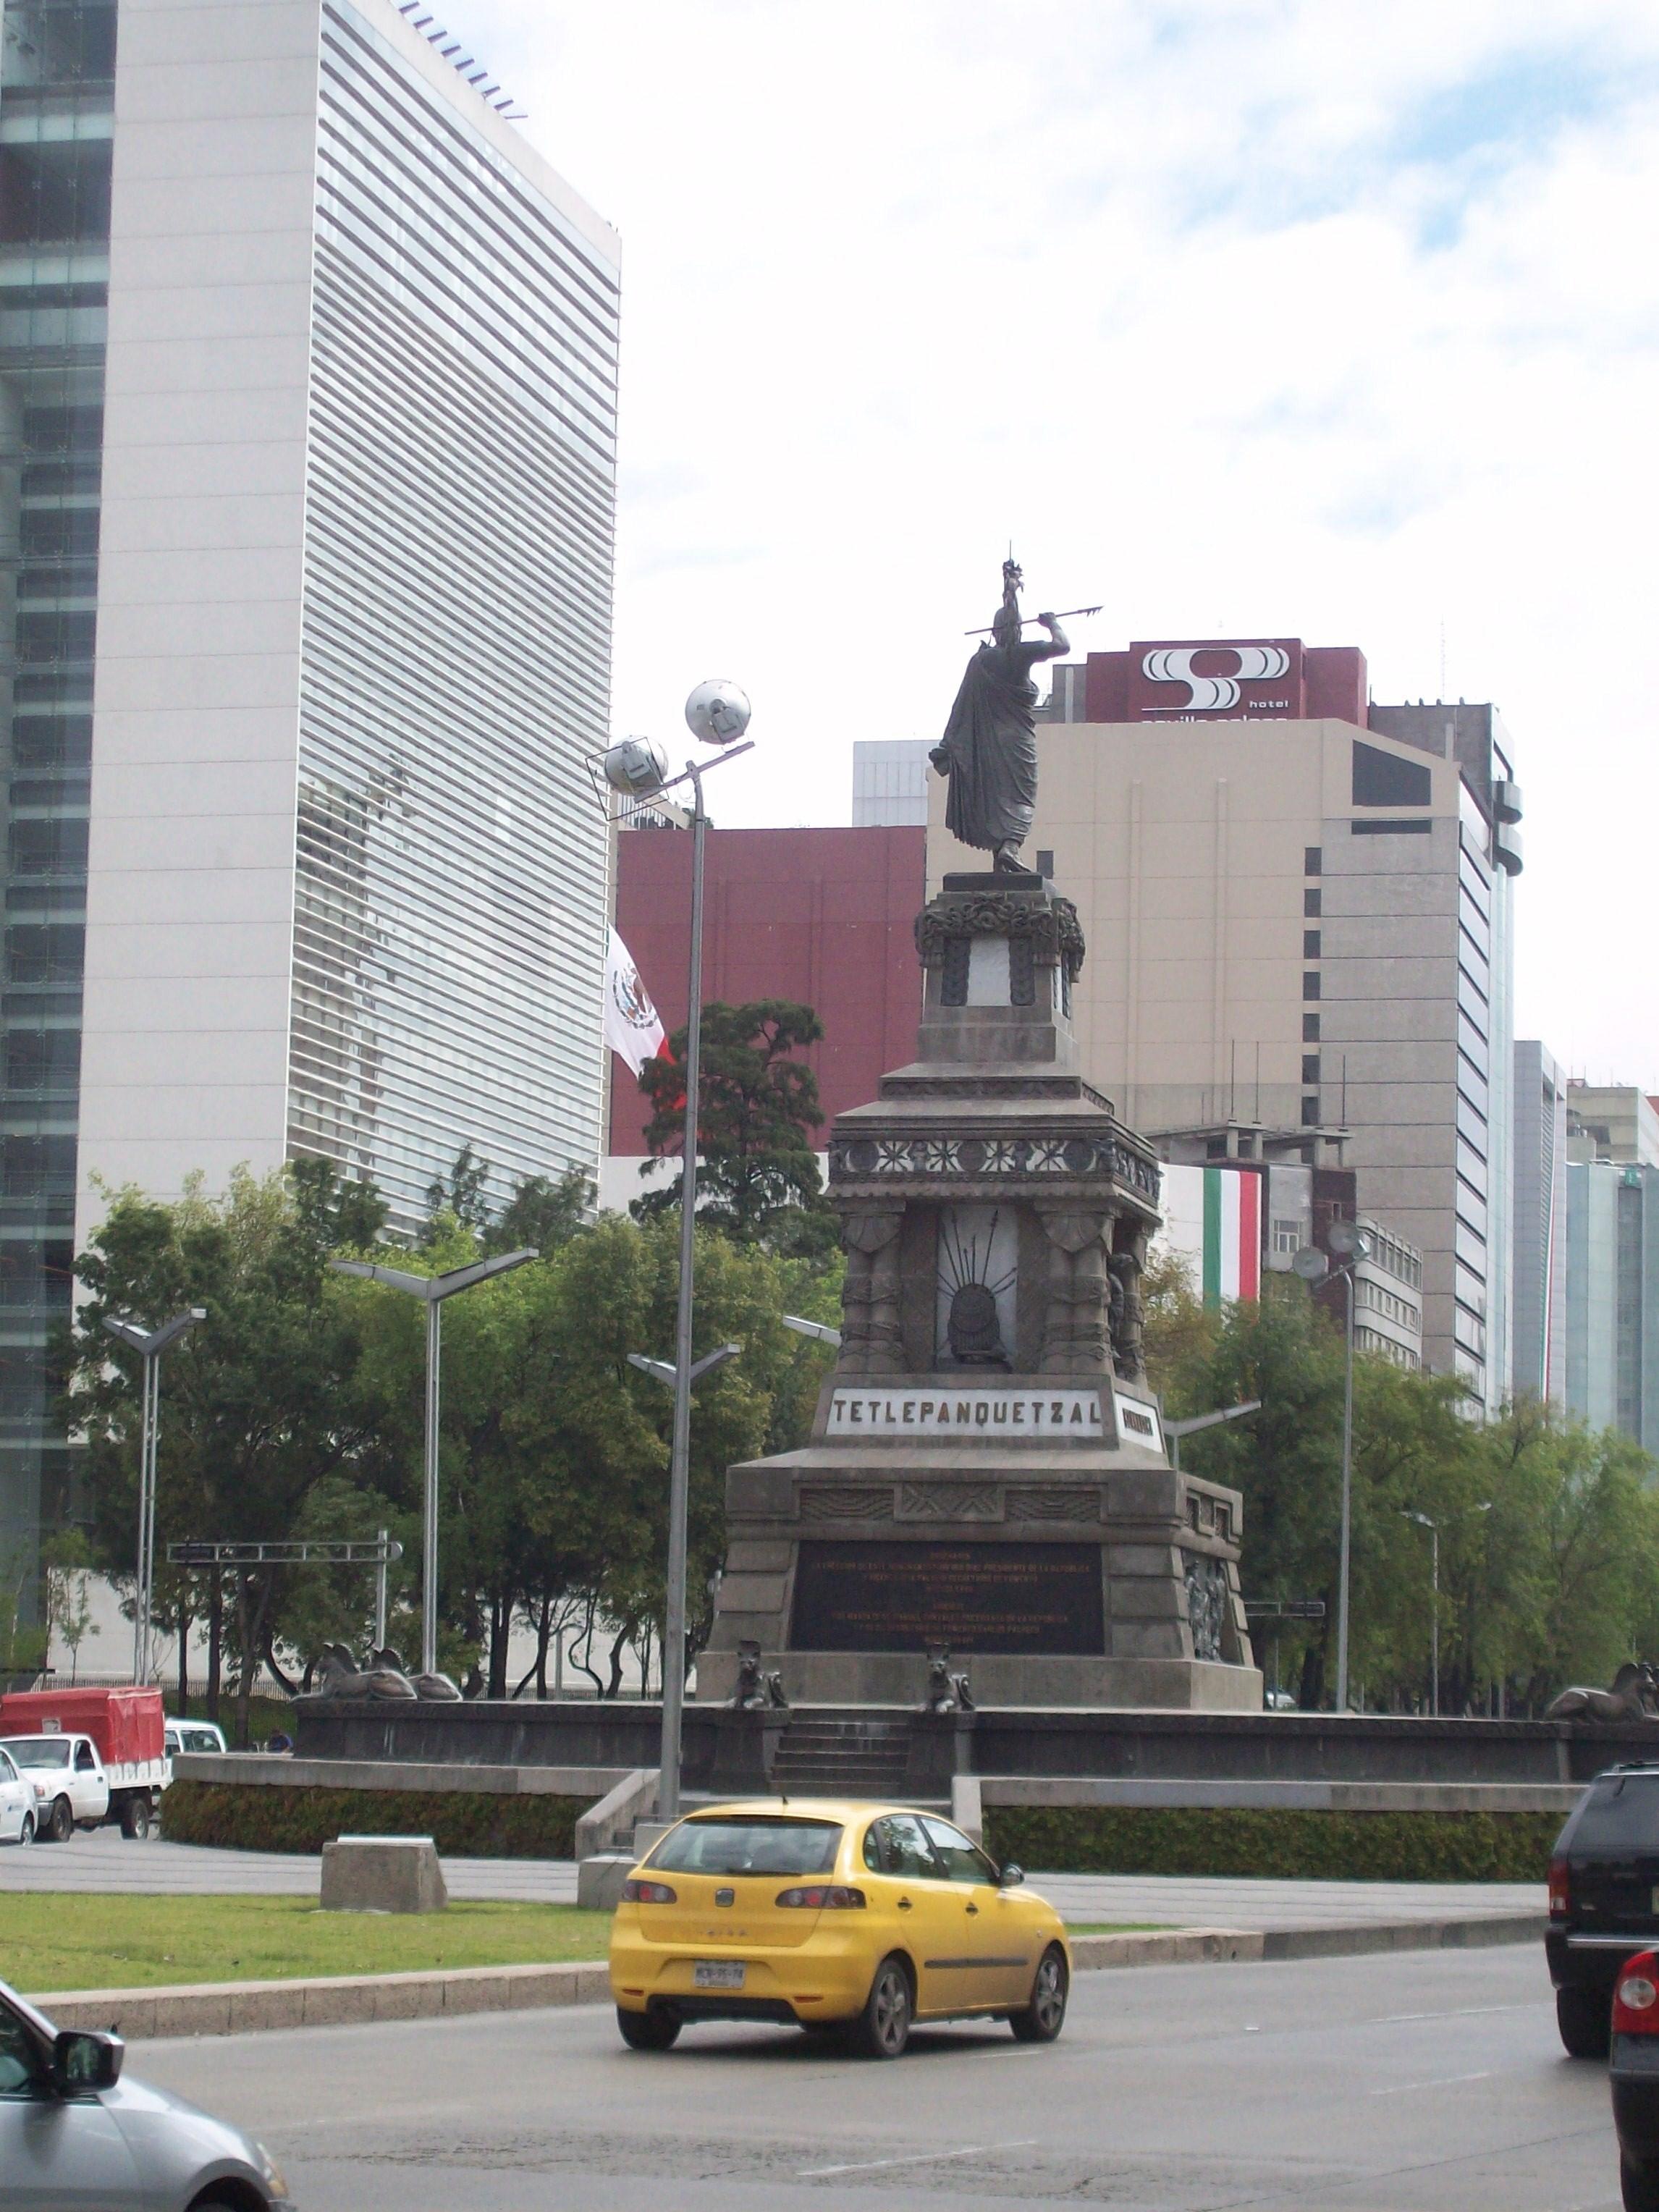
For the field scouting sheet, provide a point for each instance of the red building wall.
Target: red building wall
(824, 916)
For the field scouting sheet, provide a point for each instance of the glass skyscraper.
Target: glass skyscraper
(308, 379)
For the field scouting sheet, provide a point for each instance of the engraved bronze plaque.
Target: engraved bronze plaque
(1024, 1600)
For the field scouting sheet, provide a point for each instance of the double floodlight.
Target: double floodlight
(717, 713)
(1346, 1238)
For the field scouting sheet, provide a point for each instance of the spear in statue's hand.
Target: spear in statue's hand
(1065, 614)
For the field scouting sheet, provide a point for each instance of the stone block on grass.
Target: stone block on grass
(382, 1873)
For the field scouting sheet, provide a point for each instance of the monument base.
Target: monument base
(1085, 1684)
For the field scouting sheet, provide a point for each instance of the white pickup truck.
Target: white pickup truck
(73, 1790)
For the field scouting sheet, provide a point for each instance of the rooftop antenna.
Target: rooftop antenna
(1442, 656)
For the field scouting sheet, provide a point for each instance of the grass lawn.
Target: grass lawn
(61, 1942)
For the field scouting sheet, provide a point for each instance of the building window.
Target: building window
(1045, 862)
(1311, 1068)
(1310, 945)
(1310, 1113)
(1310, 902)
(1311, 984)
(1382, 779)
(1311, 861)
(1418, 827)
(1310, 1029)
(1287, 1236)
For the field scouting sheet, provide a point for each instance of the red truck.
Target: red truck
(92, 1755)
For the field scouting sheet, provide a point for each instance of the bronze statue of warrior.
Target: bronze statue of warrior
(989, 747)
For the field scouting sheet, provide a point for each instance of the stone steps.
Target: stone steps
(818, 1758)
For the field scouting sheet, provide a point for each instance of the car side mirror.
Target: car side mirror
(1010, 1877)
(84, 2060)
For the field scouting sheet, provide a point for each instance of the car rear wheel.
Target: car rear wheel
(883, 2027)
(1639, 2191)
(26, 1833)
(1585, 2020)
(1043, 2018)
(60, 1822)
(135, 1818)
(647, 2031)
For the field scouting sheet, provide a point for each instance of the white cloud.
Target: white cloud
(1248, 316)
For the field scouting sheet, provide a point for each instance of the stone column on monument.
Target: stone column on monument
(1075, 1331)
(1128, 1263)
(870, 1339)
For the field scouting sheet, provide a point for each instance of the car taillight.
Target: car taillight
(1560, 1890)
(834, 1896)
(649, 1892)
(1636, 1996)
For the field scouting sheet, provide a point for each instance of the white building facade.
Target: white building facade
(308, 367)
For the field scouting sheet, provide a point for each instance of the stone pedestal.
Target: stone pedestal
(382, 1873)
(987, 1471)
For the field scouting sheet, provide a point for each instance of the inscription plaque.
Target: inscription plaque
(1024, 1600)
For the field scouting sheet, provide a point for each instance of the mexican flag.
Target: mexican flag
(1232, 1234)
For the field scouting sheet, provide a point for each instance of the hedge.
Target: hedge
(1274, 1841)
(465, 1823)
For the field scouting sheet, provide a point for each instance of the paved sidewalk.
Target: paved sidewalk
(106, 1860)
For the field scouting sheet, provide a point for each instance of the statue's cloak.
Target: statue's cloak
(991, 738)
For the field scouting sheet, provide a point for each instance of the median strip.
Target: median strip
(344, 2001)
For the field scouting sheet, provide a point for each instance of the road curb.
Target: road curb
(252, 2007)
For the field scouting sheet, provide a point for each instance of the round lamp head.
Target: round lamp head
(1347, 1240)
(718, 712)
(1311, 1264)
(637, 766)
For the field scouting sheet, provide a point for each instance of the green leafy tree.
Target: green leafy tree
(257, 1402)
(341, 1214)
(463, 1196)
(543, 1214)
(758, 1173)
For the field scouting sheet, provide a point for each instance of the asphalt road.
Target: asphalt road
(105, 1860)
(1414, 2083)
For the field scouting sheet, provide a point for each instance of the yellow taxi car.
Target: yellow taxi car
(825, 1915)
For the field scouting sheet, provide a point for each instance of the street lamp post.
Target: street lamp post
(1176, 1430)
(432, 1290)
(149, 1344)
(1433, 1527)
(718, 714)
(1350, 1244)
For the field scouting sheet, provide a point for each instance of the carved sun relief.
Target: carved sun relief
(978, 1273)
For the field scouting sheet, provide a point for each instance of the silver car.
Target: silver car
(73, 2134)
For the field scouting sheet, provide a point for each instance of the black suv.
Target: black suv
(1604, 1900)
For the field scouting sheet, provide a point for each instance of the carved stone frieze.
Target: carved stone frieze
(1050, 926)
(1071, 1504)
(1074, 1315)
(978, 1160)
(820, 1502)
(950, 1501)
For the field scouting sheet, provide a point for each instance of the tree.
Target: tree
(66, 1561)
(541, 1214)
(258, 1403)
(758, 1174)
(341, 1215)
(465, 1196)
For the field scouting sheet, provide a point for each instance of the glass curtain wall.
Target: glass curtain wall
(450, 893)
(56, 99)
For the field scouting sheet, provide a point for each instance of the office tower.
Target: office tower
(307, 367)
(1539, 1304)
(1298, 906)
(889, 783)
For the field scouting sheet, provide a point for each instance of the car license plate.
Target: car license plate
(717, 1974)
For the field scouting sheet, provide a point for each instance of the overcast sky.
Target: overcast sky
(1323, 318)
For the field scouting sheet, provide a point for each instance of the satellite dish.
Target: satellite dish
(1311, 1264)
(1347, 1240)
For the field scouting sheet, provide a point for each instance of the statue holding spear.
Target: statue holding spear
(989, 747)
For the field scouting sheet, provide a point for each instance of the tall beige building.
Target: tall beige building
(1298, 906)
